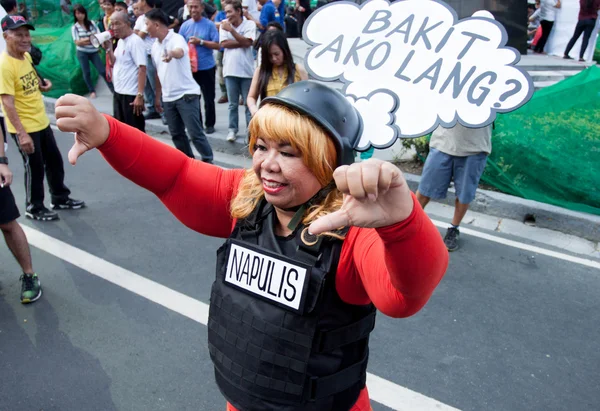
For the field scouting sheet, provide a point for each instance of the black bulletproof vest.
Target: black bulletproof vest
(268, 356)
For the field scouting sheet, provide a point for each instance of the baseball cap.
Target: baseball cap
(14, 21)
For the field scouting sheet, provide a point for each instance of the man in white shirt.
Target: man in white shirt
(236, 37)
(129, 72)
(548, 10)
(460, 154)
(144, 6)
(180, 92)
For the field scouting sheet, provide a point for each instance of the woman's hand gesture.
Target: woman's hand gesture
(76, 114)
(375, 195)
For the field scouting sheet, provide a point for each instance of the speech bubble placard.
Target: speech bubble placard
(412, 65)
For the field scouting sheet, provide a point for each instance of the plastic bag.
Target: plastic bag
(193, 57)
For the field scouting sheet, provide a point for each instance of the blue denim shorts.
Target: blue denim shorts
(441, 168)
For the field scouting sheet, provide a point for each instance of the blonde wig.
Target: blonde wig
(283, 125)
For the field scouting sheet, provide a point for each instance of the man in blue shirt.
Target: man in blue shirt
(272, 11)
(203, 33)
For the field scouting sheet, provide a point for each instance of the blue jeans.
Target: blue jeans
(150, 88)
(182, 114)
(235, 87)
(84, 62)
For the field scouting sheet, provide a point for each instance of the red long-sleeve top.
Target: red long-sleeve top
(395, 267)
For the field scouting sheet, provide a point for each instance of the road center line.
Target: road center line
(381, 390)
(523, 246)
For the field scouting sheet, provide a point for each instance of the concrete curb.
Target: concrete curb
(488, 202)
(515, 208)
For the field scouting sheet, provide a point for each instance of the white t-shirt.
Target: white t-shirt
(175, 76)
(548, 10)
(140, 25)
(239, 62)
(252, 8)
(129, 55)
(461, 141)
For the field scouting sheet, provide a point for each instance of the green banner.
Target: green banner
(549, 149)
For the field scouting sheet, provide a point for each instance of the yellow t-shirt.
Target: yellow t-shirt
(277, 83)
(19, 79)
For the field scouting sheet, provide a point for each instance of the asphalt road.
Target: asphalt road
(505, 330)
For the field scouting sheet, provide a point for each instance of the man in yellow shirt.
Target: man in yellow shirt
(26, 120)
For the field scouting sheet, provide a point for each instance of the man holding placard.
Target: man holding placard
(458, 154)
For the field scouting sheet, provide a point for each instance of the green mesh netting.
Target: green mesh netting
(53, 36)
(549, 149)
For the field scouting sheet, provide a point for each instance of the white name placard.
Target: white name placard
(267, 276)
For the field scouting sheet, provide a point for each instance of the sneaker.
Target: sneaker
(41, 214)
(68, 204)
(31, 289)
(223, 100)
(151, 116)
(451, 239)
(209, 130)
(231, 136)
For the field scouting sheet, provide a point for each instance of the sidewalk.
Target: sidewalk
(491, 203)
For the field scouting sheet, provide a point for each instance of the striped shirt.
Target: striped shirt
(79, 32)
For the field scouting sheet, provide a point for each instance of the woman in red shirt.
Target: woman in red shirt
(316, 244)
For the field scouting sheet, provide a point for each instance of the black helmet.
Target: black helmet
(328, 108)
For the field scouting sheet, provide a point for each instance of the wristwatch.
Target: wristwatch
(201, 42)
(140, 95)
(4, 160)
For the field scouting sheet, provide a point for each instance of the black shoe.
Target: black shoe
(151, 116)
(451, 239)
(209, 130)
(567, 57)
(68, 204)
(41, 214)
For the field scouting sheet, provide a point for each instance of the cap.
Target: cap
(14, 21)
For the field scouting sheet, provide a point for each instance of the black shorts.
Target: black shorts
(8, 208)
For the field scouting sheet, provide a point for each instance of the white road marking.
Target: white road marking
(381, 390)
(523, 246)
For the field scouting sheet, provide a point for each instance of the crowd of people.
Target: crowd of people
(541, 18)
(205, 45)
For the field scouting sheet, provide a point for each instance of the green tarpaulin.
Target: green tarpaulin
(53, 36)
(549, 149)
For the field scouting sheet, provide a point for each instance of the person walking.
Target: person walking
(31, 289)
(202, 33)
(277, 69)
(547, 15)
(588, 14)
(26, 120)
(460, 154)
(86, 53)
(129, 71)
(236, 36)
(176, 86)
